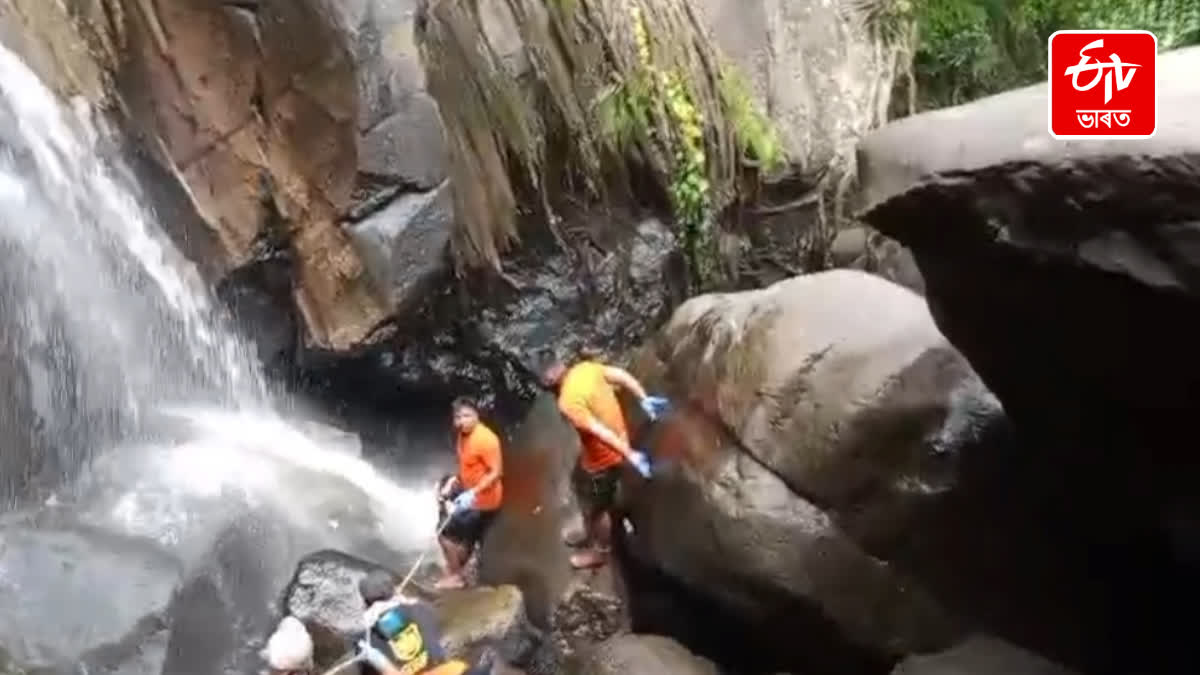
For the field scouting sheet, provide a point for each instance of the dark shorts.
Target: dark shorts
(597, 492)
(469, 527)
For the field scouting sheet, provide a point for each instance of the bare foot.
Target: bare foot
(450, 581)
(588, 559)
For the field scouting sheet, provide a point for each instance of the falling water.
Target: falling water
(124, 395)
(110, 320)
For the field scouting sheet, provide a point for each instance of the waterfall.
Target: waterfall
(126, 398)
(107, 317)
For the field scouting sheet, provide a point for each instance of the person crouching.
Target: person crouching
(402, 635)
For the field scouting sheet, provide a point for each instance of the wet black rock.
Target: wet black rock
(586, 617)
(259, 296)
(488, 336)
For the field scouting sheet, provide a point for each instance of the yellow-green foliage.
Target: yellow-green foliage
(756, 135)
(620, 89)
(972, 48)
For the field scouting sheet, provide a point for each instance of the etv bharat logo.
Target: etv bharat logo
(1101, 84)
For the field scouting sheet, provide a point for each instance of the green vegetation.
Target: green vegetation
(619, 90)
(973, 48)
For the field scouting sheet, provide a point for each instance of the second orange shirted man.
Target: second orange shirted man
(587, 399)
(479, 489)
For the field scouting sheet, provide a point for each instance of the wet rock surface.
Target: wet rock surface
(323, 594)
(584, 617)
(490, 337)
(1066, 273)
(43, 567)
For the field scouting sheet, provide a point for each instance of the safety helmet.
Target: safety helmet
(391, 622)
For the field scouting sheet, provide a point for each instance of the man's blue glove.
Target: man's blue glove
(655, 406)
(641, 462)
(465, 501)
(370, 655)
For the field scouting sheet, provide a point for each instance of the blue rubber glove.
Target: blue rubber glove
(375, 658)
(641, 462)
(465, 501)
(655, 406)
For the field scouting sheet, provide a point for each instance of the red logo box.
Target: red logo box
(1102, 84)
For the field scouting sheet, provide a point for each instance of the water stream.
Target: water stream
(152, 499)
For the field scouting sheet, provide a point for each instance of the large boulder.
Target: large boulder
(835, 461)
(1066, 271)
(404, 245)
(642, 655)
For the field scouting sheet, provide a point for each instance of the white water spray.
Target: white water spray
(111, 332)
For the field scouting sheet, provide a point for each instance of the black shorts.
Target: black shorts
(469, 527)
(598, 492)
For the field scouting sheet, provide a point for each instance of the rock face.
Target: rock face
(306, 127)
(642, 655)
(812, 65)
(1067, 273)
(833, 460)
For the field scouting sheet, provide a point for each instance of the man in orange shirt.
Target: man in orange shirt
(478, 487)
(587, 399)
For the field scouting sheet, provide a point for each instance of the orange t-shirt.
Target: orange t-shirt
(586, 395)
(479, 455)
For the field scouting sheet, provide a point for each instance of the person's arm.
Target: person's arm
(621, 378)
(491, 455)
(577, 413)
(373, 656)
(447, 486)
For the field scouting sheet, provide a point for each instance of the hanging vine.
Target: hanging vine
(615, 88)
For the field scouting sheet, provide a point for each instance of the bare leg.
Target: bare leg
(596, 552)
(455, 557)
(602, 532)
